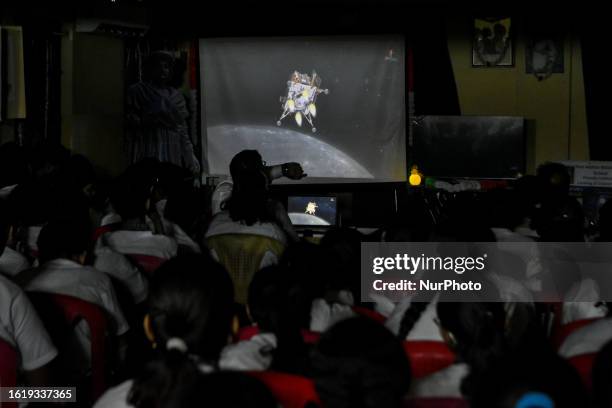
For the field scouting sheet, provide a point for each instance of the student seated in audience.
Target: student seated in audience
(553, 181)
(319, 272)
(179, 205)
(188, 323)
(475, 332)
(512, 213)
(136, 232)
(139, 225)
(21, 328)
(12, 262)
(249, 209)
(533, 377)
(63, 248)
(223, 190)
(119, 267)
(359, 363)
(274, 306)
(563, 221)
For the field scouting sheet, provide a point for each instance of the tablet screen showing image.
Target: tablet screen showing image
(312, 210)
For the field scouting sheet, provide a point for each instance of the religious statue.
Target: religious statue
(156, 116)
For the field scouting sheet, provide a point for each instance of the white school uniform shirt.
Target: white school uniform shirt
(119, 267)
(323, 315)
(21, 327)
(445, 383)
(116, 397)
(141, 243)
(6, 191)
(254, 354)
(170, 229)
(12, 262)
(588, 339)
(425, 328)
(66, 277)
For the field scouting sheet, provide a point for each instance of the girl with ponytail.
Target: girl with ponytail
(274, 303)
(190, 312)
(475, 331)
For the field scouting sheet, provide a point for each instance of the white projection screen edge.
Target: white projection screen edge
(336, 105)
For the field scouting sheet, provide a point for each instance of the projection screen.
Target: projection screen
(335, 104)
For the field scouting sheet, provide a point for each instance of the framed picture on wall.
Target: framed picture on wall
(493, 43)
(544, 57)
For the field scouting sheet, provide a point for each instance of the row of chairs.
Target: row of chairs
(426, 357)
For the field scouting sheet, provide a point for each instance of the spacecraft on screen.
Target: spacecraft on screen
(311, 208)
(302, 92)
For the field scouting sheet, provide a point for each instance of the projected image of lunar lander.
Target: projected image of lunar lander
(302, 91)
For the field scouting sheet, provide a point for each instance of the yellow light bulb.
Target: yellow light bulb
(415, 178)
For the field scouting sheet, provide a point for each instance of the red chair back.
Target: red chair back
(427, 357)
(146, 263)
(291, 391)
(435, 403)
(8, 369)
(583, 364)
(245, 333)
(362, 311)
(52, 307)
(98, 232)
(561, 332)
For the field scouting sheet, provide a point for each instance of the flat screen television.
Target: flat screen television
(469, 146)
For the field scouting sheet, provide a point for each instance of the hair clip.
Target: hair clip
(535, 400)
(176, 343)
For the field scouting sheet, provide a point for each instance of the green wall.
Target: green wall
(554, 107)
(92, 99)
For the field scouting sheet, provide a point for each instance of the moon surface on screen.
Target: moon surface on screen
(280, 145)
(306, 219)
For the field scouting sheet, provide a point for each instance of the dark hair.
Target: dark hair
(410, 318)
(190, 299)
(47, 159)
(133, 188)
(218, 390)
(215, 390)
(13, 165)
(555, 174)
(29, 202)
(508, 380)
(560, 220)
(249, 200)
(312, 269)
(359, 363)
(554, 181)
(271, 305)
(602, 377)
(605, 221)
(344, 246)
(78, 171)
(478, 331)
(63, 238)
